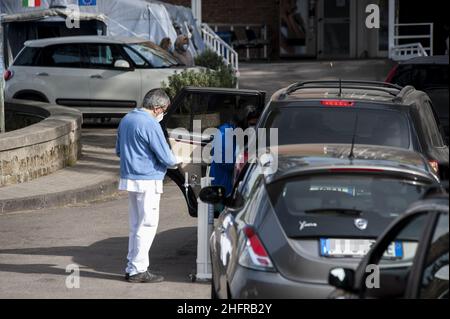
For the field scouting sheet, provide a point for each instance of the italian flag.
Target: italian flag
(31, 3)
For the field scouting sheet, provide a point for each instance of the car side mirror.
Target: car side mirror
(122, 64)
(342, 278)
(213, 195)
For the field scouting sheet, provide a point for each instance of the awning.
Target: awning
(49, 13)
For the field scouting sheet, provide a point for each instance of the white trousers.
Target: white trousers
(144, 219)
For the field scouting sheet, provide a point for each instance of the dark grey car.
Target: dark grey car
(281, 234)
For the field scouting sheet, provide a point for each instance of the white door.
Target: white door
(61, 75)
(109, 86)
(336, 29)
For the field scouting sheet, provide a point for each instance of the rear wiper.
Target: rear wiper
(340, 211)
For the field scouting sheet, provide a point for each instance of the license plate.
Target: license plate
(355, 248)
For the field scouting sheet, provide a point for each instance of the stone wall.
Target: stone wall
(42, 148)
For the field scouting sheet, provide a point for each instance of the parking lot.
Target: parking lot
(37, 246)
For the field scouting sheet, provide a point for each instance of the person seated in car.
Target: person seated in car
(166, 44)
(222, 166)
(181, 52)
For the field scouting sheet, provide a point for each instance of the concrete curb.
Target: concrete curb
(52, 200)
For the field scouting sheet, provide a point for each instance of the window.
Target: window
(387, 197)
(434, 283)
(138, 61)
(154, 55)
(27, 57)
(103, 56)
(66, 56)
(211, 109)
(337, 125)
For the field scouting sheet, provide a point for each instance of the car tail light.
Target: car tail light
(339, 103)
(254, 255)
(391, 74)
(8, 74)
(434, 165)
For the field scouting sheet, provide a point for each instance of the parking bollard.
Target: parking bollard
(205, 221)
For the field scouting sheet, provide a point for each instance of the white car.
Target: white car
(100, 75)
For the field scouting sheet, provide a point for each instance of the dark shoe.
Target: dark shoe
(145, 277)
(127, 276)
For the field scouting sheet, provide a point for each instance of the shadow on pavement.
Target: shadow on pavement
(173, 255)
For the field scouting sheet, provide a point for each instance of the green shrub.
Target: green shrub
(223, 77)
(210, 59)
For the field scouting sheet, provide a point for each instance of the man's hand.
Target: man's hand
(177, 165)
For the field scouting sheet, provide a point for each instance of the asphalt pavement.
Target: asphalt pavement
(37, 247)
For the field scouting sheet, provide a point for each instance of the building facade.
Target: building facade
(322, 29)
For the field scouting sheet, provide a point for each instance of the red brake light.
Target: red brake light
(434, 165)
(255, 243)
(337, 103)
(254, 255)
(7, 75)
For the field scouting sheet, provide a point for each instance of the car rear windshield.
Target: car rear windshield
(344, 194)
(304, 125)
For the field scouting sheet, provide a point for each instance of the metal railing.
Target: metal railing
(407, 51)
(223, 49)
(421, 44)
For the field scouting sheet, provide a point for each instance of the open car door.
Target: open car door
(422, 272)
(192, 113)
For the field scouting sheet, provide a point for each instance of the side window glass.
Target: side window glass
(187, 112)
(66, 56)
(138, 61)
(434, 283)
(103, 56)
(212, 110)
(250, 182)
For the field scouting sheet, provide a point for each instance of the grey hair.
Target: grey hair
(156, 98)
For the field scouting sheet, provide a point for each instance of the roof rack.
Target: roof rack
(400, 96)
(340, 84)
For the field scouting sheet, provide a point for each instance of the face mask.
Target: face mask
(171, 49)
(185, 47)
(160, 117)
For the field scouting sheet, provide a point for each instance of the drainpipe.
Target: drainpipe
(392, 22)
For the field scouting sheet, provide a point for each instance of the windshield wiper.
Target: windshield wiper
(340, 211)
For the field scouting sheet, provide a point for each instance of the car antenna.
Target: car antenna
(351, 156)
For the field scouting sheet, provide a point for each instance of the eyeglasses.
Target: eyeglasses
(164, 108)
